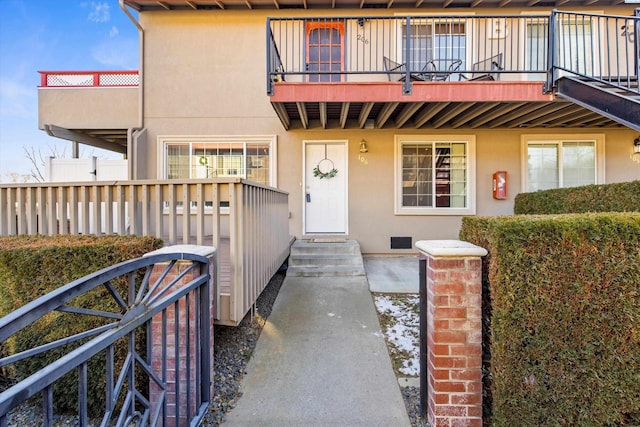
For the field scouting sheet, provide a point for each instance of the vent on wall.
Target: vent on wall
(401, 242)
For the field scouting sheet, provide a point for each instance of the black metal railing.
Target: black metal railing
(454, 48)
(597, 47)
(410, 48)
(170, 293)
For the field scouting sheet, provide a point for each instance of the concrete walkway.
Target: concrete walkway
(321, 360)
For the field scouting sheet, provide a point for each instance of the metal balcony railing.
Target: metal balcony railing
(407, 48)
(453, 48)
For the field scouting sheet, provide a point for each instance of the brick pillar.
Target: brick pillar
(451, 298)
(179, 382)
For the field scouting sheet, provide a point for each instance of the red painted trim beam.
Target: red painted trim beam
(485, 91)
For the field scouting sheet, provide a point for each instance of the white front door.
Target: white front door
(325, 183)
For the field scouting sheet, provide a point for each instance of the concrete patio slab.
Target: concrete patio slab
(392, 274)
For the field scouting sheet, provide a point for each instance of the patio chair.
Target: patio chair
(430, 70)
(482, 70)
(395, 70)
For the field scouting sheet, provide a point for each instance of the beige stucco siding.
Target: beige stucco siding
(204, 75)
(88, 107)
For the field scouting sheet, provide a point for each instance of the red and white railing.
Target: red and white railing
(89, 78)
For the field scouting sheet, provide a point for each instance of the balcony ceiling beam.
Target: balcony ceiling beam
(220, 5)
(323, 114)
(449, 114)
(364, 114)
(472, 115)
(407, 112)
(419, 3)
(428, 113)
(594, 119)
(577, 116)
(386, 112)
(302, 110)
(248, 3)
(163, 5)
(515, 114)
(82, 138)
(344, 114)
(192, 5)
(496, 113)
(567, 110)
(276, 4)
(447, 3)
(540, 112)
(281, 111)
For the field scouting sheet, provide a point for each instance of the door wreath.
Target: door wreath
(325, 167)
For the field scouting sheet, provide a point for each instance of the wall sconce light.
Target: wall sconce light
(363, 146)
(635, 156)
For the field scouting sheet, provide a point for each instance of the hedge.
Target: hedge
(619, 197)
(32, 266)
(565, 317)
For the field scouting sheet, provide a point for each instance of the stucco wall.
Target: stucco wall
(88, 107)
(204, 74)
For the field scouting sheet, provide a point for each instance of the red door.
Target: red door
(325, 47)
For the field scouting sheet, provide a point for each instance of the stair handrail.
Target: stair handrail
(585, 45)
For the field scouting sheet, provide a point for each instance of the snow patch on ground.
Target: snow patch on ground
(400, 322)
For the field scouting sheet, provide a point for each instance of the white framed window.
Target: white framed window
(434, 175)
(562, 161)
(202, 157)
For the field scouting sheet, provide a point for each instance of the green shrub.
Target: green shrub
(565, 319)
(619, 197)
(32, 266)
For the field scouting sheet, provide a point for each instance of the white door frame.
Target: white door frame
(345, 143)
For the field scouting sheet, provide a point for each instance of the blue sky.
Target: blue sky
(53, 35)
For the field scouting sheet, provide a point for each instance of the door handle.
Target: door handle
(308, 197)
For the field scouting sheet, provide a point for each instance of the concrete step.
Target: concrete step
(324, 271)
(321, 259)
(325, 259)
(310, 247)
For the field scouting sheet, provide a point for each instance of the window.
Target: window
(433, 175)
(441, 41)
(537, 41)
(556, 163)
(201, 158)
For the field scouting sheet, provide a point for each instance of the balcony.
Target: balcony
(91, 107)
(498, 71)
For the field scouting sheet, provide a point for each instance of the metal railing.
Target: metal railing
(254, 218)
(147, 295)
(454, 48)
(406, 48)
(603, 48)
